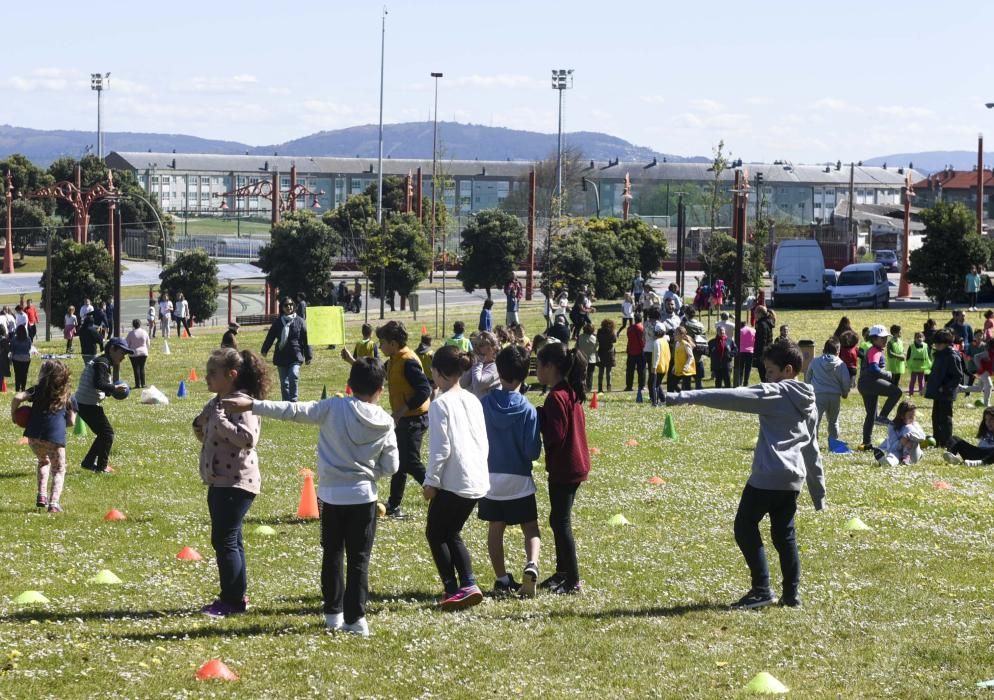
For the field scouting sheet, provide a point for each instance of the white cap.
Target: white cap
(878, 331)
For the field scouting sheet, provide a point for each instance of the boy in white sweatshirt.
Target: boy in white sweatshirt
(356, 446)
(829, 377)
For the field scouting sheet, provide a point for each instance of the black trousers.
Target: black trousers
(871, 391)
(96, 421)
(410, 435)
(635, 365)
(182, 323)
(942, 421)
(138, 365)
(21, 374)
(561, 498)
(966, 450)
(722, 377)
(447, 514)
(745, 369)
(590, 375)
(347, 534)
(781, 506)
(228, 506)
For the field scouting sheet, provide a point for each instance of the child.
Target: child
(849, 354)
(919, 363)
(660, 365)
(875, 381)
(684, 367)
(51, 414)
(984, 364)
(367, 346)
(959, 451)
(829, 377)
(928, 330)
(138, 341)
(627, 311)
(458, 340)
(70, 324)
(229, 466)
(228, 340)
(634, 360)
(865, 343)
(972, 287)
(567, 459)
(356, 446)
(747, 345)
(586, 343)
(988, 325)
(786, 455)
(150, 316)
(425, 353)
(486, 316)
(94, 385)
(942, 385)
(606, 338)
(721, 350)
(409, 397)
(20, 356)
(515, 442)
(895, 355)
(456, 477)
(696, 333)
(482, 375)
(904, 437)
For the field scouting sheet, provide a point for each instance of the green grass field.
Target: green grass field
(900, 610)
(218, 226)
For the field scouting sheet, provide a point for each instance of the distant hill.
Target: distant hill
(932, 161)
(409, 140)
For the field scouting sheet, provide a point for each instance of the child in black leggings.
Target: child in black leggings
(959, 451)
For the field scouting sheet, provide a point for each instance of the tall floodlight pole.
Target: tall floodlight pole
(562, 79)
(434, 175)
(379, 162)
(98, 83)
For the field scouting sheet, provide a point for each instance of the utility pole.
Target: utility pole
(434, 177)
(740, 202)
(379, 162)
(853, 233)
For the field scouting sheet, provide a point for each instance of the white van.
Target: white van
(798, 275)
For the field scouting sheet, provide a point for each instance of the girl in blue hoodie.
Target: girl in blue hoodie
(515, 442)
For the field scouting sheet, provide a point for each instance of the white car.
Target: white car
(862, 285)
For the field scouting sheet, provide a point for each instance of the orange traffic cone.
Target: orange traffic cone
(308, 507)
(3, 385)
(188, 554)
(593, 400)
(424, 330)
(193, 375)
(215, 669)
(114, 515)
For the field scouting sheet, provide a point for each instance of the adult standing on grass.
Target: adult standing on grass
(409, 395)
(289, 334)
(513, 293)
(181, 313)
(972, 287)
(638, 284)
(786, 455)
(943, 384)
(875, 381)
(85, 309)
(165, 314)
(634, 361)
(139, 342)
(20, 355)
(90, 339)
(70, 326)
(766, 321)
(302, 305)
(94, 385)
(31, 311)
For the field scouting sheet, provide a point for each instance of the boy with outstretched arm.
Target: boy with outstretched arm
(786, 456)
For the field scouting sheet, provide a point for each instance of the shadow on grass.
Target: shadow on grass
(403, 596)
(653, 611)
(204, 632)
(15, 475)
(88, 615)
(278, 520)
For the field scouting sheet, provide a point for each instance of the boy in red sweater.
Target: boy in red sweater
(567, 459)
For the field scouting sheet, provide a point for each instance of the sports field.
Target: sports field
(902, 609)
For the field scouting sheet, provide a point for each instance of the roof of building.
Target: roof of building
(888, 215)
(778, 173)
(950, 179)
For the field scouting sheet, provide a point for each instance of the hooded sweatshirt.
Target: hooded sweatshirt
(457, 445)
(357, 444)
(787, 451)
(828, 374)
(515, 442)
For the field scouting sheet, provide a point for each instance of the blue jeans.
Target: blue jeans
(289, 377)
(228, 506)
(780, 506)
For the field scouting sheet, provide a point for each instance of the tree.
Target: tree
(300, 255)
(646, 242)
(29, 222)
(757, 255)
(354, 221)
(571, 267)
(396, 257)
(716, 196)
(613, 258)
(79, 271)
(718, 261)
(951, 246)
(545, 185)
(194, 273)
(493, 244)
(27, 177)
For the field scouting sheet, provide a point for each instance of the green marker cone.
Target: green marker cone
(856, 524)
(324, 392)
(104, 577)
(79, 428)
(669, 428)
(765, 684)
(265, 531)
(618, 519)
(31, 598)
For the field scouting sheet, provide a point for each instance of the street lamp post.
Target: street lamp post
(99, 83)
(379, 161)
(434, 180)
(740, 203)
(8, 248)
(584, 181)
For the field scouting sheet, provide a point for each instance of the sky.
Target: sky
(801, 81)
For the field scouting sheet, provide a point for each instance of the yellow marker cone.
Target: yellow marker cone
(265, 531)
(765, 684)
(31, 598)
(104, 577)
(856, 524)
(618, 519)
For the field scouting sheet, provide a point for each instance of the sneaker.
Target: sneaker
(54, 508)
(360, 627)
(756, 598)
(395, 512)
(465, 597)
(506, 589)
(789, 601)
(567, 588)
(221, 609)
(529, 580)
(334, 621)
(882, 420)
(41, 501)
(951, 458)
(553, 581)
(974, 463)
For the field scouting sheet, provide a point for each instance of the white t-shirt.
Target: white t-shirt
(457, 445)
(20, 319)
(627, 309)
(182, 309)
(165, 309)
(85, 310)
(507, 487)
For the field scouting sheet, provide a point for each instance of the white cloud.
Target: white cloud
(707, 105)
(653, 99)
(244, 78)
(903, 111)
(501, 80)
(225, 85)
(834, 104)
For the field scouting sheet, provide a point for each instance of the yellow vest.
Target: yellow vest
(400, 390)
(365, 348)
(684, 351)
